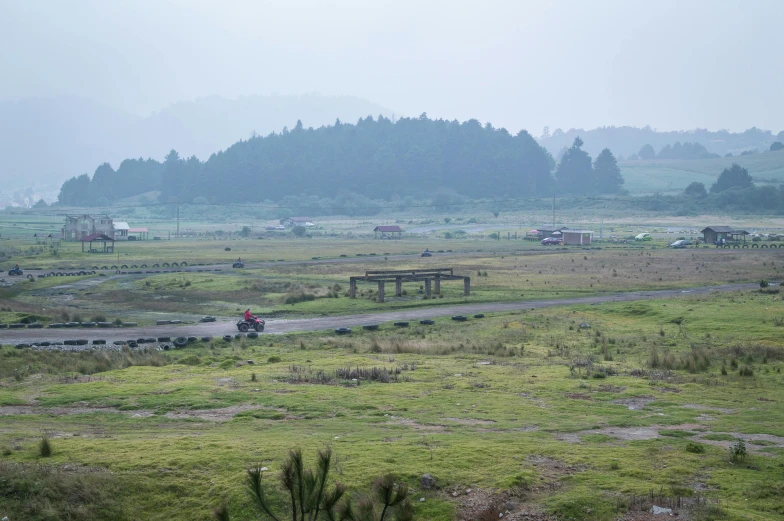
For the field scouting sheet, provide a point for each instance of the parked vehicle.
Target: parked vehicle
(680, 244)
(245, 325)
(547, 241)
(643, 237)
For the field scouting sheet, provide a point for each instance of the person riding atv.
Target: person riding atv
(249, 321)
(16, 270)
(238, 263)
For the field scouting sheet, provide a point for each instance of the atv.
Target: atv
(244, 325)
(15, 271)
(238, 265)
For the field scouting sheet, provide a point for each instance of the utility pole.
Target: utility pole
(178, 218)
(553, 212)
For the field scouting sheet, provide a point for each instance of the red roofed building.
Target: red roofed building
(388, 232)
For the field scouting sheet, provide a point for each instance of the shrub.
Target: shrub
(274, 359)
(746, 371)
(45, 447)
(738, 451)
(695, 448)
(764, 283)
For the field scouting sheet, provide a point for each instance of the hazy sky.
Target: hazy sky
(671, 64)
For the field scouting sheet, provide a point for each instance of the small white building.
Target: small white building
(121, 230)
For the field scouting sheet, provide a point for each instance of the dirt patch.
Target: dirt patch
(10, 410)
(473, 504)
(415, 425)
(469, 421)
(668, 389)
(223, 414)
(579, 396)
(769, 440)
(635, 403)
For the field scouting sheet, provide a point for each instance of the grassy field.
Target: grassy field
(673, 175)
(306, 289)
(529, 409)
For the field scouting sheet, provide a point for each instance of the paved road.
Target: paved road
(15, 336)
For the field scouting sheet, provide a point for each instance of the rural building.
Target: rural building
(576, 237)
(713, 234)
(79, 226)
(388, 232)
(138, 234)
(549, 231)
(106, 243)
(295, 221)
(121, 230)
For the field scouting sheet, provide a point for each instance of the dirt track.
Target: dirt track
(15, 336)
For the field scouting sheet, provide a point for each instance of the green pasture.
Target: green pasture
(571, 420)
(673, 175)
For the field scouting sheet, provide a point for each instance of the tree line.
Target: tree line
(375, 158)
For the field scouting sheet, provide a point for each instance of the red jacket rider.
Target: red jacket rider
(248, 316)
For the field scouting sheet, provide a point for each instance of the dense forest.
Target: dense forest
(378, 159)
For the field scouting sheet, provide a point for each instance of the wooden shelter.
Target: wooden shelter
(388, 232)
(428, 276)
(107, 243)
(723, 234)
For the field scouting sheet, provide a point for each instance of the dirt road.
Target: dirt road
(15, 336)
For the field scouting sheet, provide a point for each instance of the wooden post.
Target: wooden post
(380, 291)
(427, 288)
(438, 284)
(467, 286)
(352, 287)
(398, 287)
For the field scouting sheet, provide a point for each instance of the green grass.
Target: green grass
(187, 429)
(673, 175)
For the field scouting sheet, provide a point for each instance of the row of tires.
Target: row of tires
(134, 266)
(58, 325)
(178, 342)
(753, 245)
(424, 322)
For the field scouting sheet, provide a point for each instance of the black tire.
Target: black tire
(745, 246)
(183, 263)
(243, 327)
(88, 324)
(55, 325)
(227, 338)
(764, 246)
(775, 246)
(192, 339)
(35, 326)
(156, 265)
(259, 328)
(143, 266)
(164, 339)
(427, 322)
(401, 324)
(253, 334)
(104, 268)
(132, 343)
(175, 265)
(3, 326)
(479, 315)
(459, 318)
(343, 331)
(95, 268)
(114, 268)
(124, 267)
(755, 245)
(17, 326)
(180, 341)
(50, 274)
(165, 264)
(81, 342)
(69, 342)
(370, 327)
(206, 338)
(99, 342)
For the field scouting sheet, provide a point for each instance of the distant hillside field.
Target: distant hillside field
(673, 175)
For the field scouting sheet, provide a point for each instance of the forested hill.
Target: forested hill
(377, 158)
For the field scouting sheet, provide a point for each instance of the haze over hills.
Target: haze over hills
(48, 140)
(626, 140)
